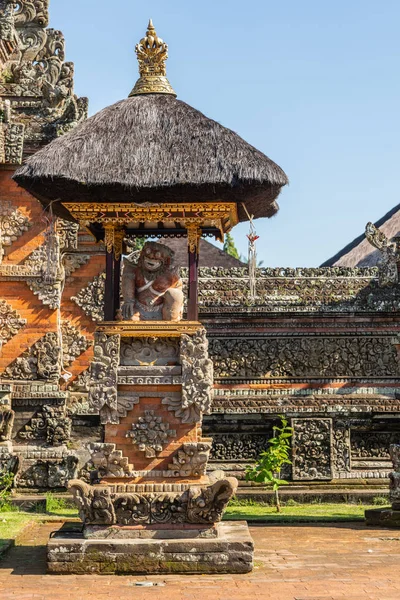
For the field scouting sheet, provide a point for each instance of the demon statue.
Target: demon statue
(152, 288)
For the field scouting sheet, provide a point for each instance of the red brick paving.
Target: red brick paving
(331, 562)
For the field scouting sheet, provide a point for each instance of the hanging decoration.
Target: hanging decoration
(252, 256)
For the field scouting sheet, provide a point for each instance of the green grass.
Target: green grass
(301, 513)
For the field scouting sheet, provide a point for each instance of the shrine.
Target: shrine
(147, 167)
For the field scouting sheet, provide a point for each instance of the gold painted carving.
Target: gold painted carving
(193, 237)
(152, 54)
(113, 239)
(222, 215)
(149, 329)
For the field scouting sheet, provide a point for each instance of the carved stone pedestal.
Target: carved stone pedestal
(231, 551)
(389, 517)
(151, 507)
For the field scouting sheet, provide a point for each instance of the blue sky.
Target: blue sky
(313, 84)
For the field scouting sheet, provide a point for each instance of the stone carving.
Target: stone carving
(152, 289)
(10, 322)
(72, 262)
(106, 461)
(13, 143)
(35, 78)
(150, 433)
(91, 298)
(390, 255)
(394, 477)
(341, 447)
(49, 424)
(6, 423)
(9, 462)
(46, 262)
(191, 460)
(47, 472)
(104, 377)
(41, 361)
(197, 379)
(198, 505)
(312, 449)
(372, 444)
(149, 351)
(310, 356)
(13, 223)
(238, 446)
(73, 343)
(68, 235)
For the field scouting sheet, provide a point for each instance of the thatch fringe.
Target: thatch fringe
(148, 145)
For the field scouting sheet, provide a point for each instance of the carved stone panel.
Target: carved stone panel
(91, 298)
(341, 447)
(372, 445)
(10, 322)
(104, 377)
(150, 351)
(312, 449)
(306, 356)
(41, 361)
(150, 433)
(73, 343)
(6, 423)
(191, 460)
(238, 446)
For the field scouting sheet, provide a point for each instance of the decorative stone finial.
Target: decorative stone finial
(152, 53)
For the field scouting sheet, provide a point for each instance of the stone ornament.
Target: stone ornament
(6, 423)
(150, 351)
(10, 322)
(107, 461)
(13, 223)
(190, 460)
(91, 298)
(50, 424)
(394, 477)
(305, 356)
(312, 449)
(73, 343)
(41, 361)
(151, 434)
(35, 78)
(390, 255)
(97, 505)
(197, 380)
(104, 377)
(152, 288)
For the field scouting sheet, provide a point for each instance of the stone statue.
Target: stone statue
(152, 289)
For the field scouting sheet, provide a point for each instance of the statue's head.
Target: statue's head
(155, 258)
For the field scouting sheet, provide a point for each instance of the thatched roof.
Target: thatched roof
(209, 255)
(153, 148)
(360, 253)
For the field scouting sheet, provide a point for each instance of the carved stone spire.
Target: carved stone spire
(152, 54)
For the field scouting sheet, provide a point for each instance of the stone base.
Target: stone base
(164, 532)
(230, 552)
(384, 517)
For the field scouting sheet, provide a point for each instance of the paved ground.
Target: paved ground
(342, 562)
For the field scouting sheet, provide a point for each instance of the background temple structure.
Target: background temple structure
(319, 345)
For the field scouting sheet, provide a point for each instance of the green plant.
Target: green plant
(229, 246)
(380, 501)
(6, 76)
(269, 465)
(54, 504)
(6, 483)
(291, 502)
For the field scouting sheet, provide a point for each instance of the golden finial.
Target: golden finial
(152, 54)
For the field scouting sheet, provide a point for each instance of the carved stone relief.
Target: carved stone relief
(104, 377)
(50, 424)
(46, 471)
(150, 433)
(41, 361)
(341, 447)
(73, 343)
(238, 446)
(372, 444)
(6, 423)
(191, 460)
(394, 477)
(91, 298)
(10, 322)
(197, 380)
(97, 505)
(312, 449)
(311, 356)
(13, 223)
(107, 461)
(149, 351)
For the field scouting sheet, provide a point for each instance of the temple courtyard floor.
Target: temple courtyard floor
(292, 562)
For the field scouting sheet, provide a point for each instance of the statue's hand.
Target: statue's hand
(128, 310)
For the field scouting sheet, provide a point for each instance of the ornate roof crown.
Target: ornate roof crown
(152, 53)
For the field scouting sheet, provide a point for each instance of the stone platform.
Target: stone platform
(231, 551)
(383, 517)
